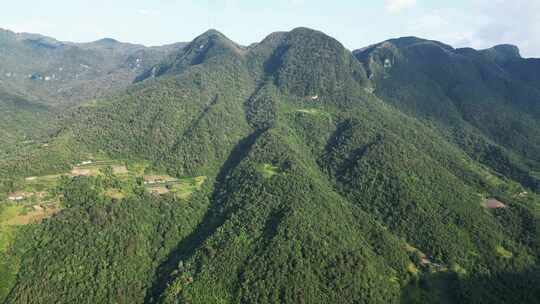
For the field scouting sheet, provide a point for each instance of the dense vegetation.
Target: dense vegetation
(47, 70)
(484, 101)
(20, 121)
(328, 178)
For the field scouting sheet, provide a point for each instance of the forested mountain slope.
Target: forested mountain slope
(46, 70)
(314, 183)
(488, 101)
(20, 121)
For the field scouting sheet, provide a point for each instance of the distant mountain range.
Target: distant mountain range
(52, 71)
(288, 171)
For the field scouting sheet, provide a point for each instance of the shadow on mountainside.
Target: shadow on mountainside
(214, 218)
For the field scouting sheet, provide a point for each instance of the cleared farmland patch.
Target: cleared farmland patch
(313, 111)
(158, 179)
(120, 169)
(95, 168)
(35, 215)
(159, 190)
(185, 187)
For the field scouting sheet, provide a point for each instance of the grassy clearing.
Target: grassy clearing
(23, 214)
(41, 183)
(7, 212)
(9, 265)
(31, 217)
(313, 111)
(309, 111)
(115, 194)
(90, 104)
(503, 252)
(185, 187)
(138, 168)
(267, 170)
(159, 179)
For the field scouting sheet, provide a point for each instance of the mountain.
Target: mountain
(18, 123)
(486, 100)
(40, 77)
(47, 70)
(290, 171)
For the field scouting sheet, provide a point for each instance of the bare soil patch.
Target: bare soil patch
(158, 190)
(120, 169)
(494, 204)
(77, 171)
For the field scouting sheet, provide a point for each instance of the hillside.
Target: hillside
(290, 171)
(47, 70)
(486, 101)
(21, 121)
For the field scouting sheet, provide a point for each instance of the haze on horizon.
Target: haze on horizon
(461, 23)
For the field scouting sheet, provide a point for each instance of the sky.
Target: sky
(355, 23)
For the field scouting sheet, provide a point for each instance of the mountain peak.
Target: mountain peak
(502, 52)
(212, 35)
(409, 41)
(303, 29)
(308, 32)
(508, 51)
(107, 41)
(206, 46)
(212, 32)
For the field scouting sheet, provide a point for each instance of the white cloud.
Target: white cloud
(396, 6)
(481, 24)
(448, 26)
(515, 22)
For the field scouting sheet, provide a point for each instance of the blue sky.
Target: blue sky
(356, 23)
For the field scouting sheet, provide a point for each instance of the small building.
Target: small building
(150, 180)
(17, 196)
